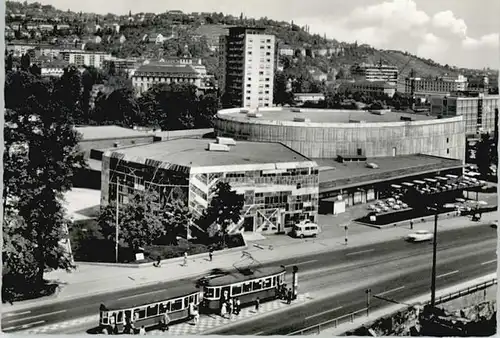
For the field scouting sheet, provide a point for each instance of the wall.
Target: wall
(443, 137)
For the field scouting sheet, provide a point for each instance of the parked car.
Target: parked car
(385, 208)
(396, 207)
(420, 236)
(494, 224)
(404, 205)
(378, 210)
(306, 229)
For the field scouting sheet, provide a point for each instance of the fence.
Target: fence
(316, 329)
(464, 292)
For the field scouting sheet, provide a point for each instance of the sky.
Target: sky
(463, 33)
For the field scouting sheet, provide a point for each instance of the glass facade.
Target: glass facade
(274, 200)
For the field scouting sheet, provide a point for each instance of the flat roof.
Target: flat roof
(325, 115)
(385, 164)
(194, 153)
(108, 132)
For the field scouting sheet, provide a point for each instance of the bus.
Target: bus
(149, 310)
(247, 285)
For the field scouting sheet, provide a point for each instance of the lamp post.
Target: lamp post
(368, 296)
(117, 218)
(434, 252)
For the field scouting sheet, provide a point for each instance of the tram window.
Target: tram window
(209, 292)
(217, 292)
(140, 313)
(120, 317)
(247, 287)
(267, 283)
(191, 299)
(177, 305)
(186, 302)
(274, 281)
(105, 318)
(196, 298)
(257, 285)
(164, 307)
(236, 290)
(152, 310)
(128, 315)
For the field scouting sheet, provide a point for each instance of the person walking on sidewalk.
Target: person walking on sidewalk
(230, 308)
(196, 315)
(185, 258)
(257, 304)
(210, 253)
(158, 262)
(411, 224)
(223, 310)
(289, 297)
(165, 320)
(238, 306)
(142, 331)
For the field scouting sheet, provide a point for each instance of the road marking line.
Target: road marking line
(259, 333)
(140, 294)
(322, 313)
(359, 252)
(16, 314)
(488, 262)
(447, 274)
(33, 317)
(392, 290)
(25, 326)
(302, 263)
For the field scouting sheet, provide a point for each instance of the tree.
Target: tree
(25, 62)
(176, 220)
(9, 62)
(282, 95)
(40, 159)
(112, 68)
(68, 91)
(118, 107)
(139, 224)
(224, 208)
(485, 155)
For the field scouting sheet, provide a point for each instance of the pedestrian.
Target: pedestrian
(230, 308)
(185, 258)
(114, 330)
(223, 310)
(158, 262)
(257, 304)
(210, 254)
(196, 315)
(238, 306)
(142, 331)
(289, 297)
(164, 322)
(411, 224)
(105, 330)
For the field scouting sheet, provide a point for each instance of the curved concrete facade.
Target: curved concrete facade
(440, 137)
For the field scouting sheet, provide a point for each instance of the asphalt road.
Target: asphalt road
(317, 269)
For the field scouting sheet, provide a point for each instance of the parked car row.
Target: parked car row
(389, 204)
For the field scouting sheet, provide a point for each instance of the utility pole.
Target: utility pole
(346, 228)
(117, 216)
(434, 251)
(368, 296)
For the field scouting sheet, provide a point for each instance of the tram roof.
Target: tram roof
(152, 297)
(238, 276)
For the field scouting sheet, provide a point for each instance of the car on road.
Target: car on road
(494, 224)
(420, 236)
(306, 229)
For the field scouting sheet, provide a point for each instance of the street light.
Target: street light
(368, 296)
(434, 253)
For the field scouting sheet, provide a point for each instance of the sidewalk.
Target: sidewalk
(89, 279)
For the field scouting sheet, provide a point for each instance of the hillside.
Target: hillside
(200, 31)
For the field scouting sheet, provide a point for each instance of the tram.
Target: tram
(149, 310)
(247, 285)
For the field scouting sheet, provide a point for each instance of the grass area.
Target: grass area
(88, 245)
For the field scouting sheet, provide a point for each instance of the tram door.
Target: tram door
(224, 294)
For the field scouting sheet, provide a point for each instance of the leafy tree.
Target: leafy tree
(9, 62)
(118, 107)
(35, 70)
(39, 161)
(485, 155)
(25, 62)
(281, 95)
(176, 220)
(68, 91)
(138, 220)
(112, 68)
(224, 208)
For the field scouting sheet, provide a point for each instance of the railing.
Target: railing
(316, 329)
(464, 292)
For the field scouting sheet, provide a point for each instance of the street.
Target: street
(321, 274)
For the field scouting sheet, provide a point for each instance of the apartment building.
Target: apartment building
(86, 58)
(375, 72)
(372, 87)
(478, 110)
(147, 75)
(434, 86)
(249, 62)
